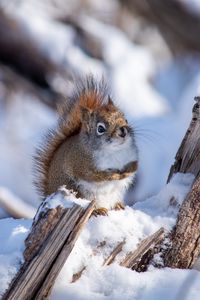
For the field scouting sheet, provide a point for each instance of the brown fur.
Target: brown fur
(88, 93)
(64, 158)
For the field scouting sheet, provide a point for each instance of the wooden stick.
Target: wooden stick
(77, 275)
(135, 256)
(114, 253)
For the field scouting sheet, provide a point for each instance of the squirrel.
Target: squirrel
(92, 151)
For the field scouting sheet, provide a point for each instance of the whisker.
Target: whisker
(145, 138)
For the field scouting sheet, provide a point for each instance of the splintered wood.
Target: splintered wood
(187, 159)
(185, 249)
(137, 259)
(51, 240)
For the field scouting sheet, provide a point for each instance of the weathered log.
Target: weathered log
(185, 249)
(187, 159)
(137, 258)
(51, 240)
(178, 25)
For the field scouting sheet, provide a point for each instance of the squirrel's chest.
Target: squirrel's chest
(109, 158)
(106, 194)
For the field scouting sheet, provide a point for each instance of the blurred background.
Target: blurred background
(147, 49)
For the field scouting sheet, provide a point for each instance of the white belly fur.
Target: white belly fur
(106, 193)
(112, 156)
(115, 156)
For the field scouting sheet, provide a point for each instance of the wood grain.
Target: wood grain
(185, 249)
(48, 246)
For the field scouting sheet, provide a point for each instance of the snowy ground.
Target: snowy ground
(157, 98)
(111, 282)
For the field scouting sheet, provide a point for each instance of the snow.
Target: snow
(64, 198)
(20, 207)
(20, 132)
(97, 240)
(116, 283)
(159, 112)
(12, 235)
(157, 99)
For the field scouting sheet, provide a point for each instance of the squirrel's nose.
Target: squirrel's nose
(122, 132)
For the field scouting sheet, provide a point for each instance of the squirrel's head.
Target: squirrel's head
(104, 126)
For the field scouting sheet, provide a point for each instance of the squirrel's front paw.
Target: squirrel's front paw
(119, 206)
(130, 167)
(102, 211)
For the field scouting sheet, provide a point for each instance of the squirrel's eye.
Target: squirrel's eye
(101, 128)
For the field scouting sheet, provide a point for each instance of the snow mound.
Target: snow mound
(97, 241)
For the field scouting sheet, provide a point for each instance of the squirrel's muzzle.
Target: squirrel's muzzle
(122, 131)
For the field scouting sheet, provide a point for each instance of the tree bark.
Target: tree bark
(187, 159)
(185, 249)
(185, 239)
(51, 240)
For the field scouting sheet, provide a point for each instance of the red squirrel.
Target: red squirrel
(92, 151)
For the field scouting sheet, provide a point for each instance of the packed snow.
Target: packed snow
(96, 242)
(63, 198)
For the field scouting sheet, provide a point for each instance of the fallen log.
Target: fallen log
(51, 240)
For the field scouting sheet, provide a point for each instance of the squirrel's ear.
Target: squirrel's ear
(86, 113)
(110, 102)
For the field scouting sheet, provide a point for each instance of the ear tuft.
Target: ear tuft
(110, 102)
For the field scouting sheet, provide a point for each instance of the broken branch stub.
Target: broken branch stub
(187, 159)
(51, 240)
(185, 238)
